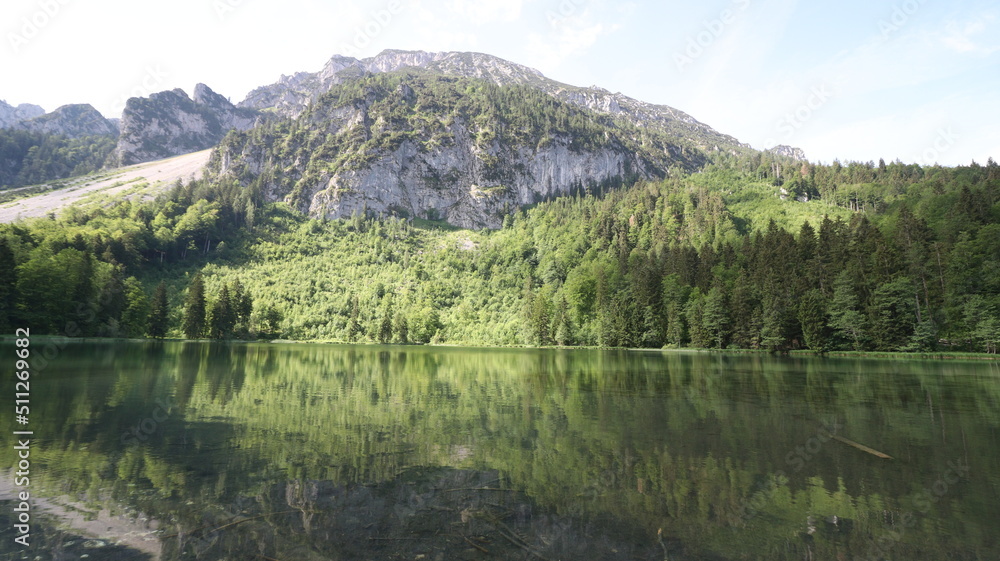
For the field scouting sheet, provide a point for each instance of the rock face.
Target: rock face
(10, 115)
(292, 94)
(452, 184)
(384, 152)
(789, 152)
(71, 120)
(170, 123)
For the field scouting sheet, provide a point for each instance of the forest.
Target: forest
(28, 157)
(754, 251)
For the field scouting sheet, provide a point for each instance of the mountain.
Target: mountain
(792, 152)
(463, 137)
(36, 147)
(292, 94)
(10, 115)
(74, 121)
(170, 123)
(420, 144)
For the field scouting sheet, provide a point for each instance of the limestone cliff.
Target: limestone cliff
(431, 146)
(170, 123)
(75, 120)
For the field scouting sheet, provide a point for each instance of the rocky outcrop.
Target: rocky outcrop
(74, 120)
(10, 115)
(455, 185)
(292, 94)
(170, 123)
(789, 152)
(441, 164)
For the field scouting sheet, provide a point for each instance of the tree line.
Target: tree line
(718, 259)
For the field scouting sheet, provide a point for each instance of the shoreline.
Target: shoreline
(934, 355)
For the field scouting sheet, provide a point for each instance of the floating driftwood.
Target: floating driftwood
(861, 447)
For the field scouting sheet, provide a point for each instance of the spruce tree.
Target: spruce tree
(194, 309)
(159, 312)
(222, 316)
(135, 316)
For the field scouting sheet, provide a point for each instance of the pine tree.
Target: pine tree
(135, 316)
(222, 316)
(194, 309)
(694, 315)
(892, 314)
(845, 319)
(715, 317)
(159, 312)
(563, 333)
(401, 329)
(353, 324)
(384, 334)
(813, 319)
(242, 304)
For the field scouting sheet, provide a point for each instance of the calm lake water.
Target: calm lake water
(307, 452)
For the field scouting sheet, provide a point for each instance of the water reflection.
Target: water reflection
(316, 452)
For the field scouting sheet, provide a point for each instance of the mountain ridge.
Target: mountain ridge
(291, 94)
(169, 123)
(421, 144)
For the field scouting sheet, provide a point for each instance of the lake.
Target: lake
(169, 450)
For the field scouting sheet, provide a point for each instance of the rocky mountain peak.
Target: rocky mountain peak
(292, 94)
(793, 152)
(74, 120)
(10, 115)
(170, 123)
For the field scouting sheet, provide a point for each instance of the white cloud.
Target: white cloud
(962, 37)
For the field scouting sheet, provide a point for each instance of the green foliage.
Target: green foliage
(28, 157)
(717, 260)
(194, 309)
(159, 313)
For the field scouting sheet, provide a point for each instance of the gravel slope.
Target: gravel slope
(157, 175)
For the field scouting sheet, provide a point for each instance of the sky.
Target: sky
(914, 80)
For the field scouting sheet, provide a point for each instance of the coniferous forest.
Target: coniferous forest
(755, 251)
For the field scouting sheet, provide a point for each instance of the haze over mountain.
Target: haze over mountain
(73, 120)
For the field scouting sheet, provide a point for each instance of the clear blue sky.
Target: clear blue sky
(917, 80)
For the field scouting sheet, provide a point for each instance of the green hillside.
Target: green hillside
(880, 257)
